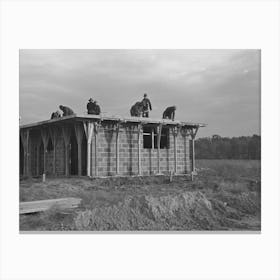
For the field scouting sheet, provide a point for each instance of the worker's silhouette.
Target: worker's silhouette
(93, 108)
(146, 106)
(169, 113)
(66, 110)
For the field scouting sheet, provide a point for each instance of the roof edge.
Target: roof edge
(113, 119)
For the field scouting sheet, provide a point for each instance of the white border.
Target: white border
(191, 24)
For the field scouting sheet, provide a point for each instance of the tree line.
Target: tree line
(217, 147)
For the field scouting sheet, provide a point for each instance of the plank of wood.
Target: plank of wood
(43, 205)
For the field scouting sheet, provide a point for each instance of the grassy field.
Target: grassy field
(225, 195)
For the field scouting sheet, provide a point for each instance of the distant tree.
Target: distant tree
(217, 147)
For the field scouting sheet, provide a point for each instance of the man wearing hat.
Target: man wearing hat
(146, 106)
(93, 108)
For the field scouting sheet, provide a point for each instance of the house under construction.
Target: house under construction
(94, 146)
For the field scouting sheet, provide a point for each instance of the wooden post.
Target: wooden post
(96, 130)
(193, 134)
(45, 138)
(38, 145)
(159, 129)
(54, 135)
(88, 128)
(38, 158)
(66, 132)
(139, 149)
(79, 137)
(117, 148)
(184, 132)
(24, 134)
(175, 132)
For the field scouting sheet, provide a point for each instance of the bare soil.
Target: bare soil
(225, 195)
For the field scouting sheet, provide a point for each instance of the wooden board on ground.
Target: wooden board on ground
(43, 205)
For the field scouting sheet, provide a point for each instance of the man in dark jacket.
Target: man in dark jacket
(66, 111)
(90, 106)
(93, 108)
(146, 106)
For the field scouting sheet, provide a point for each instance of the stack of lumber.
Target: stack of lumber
(43, 205)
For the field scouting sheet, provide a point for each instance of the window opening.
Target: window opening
(150, 138)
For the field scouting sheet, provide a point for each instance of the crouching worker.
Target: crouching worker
(93, 108)
(55, 115)
(66, 110)
(169, 113)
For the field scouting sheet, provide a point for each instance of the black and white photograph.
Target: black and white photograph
(139, 140)
(158, 140)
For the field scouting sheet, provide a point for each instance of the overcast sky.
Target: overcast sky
(217, 87)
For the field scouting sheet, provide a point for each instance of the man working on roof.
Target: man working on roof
(66, 110)
(146, 106)
(93, 108)
(169, 113)
(55, 115)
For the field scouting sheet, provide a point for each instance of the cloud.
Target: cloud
(218, 87)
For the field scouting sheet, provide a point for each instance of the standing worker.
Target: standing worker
(90, 106)
(93, 108)
(146, 106)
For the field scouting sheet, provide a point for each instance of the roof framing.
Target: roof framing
(138, 120)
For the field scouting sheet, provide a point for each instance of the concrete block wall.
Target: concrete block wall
(105, 141)
(128, 153)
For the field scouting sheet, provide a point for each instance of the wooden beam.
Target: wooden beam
(185, 133)
(88, 129)
(85, 129)
(79, 136)
(90, 133)
(139, 126)
(43, 205)
(24, 134)
(66, 132)
(45, 137)
(193, 134)
(175, 132)
(38, 158)
(94, 118)
(37, 145)
(54, 136)
(117, 148)
(159, 129)
(96, 130)
(153, 138)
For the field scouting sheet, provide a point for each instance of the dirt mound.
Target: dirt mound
(186, 211)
